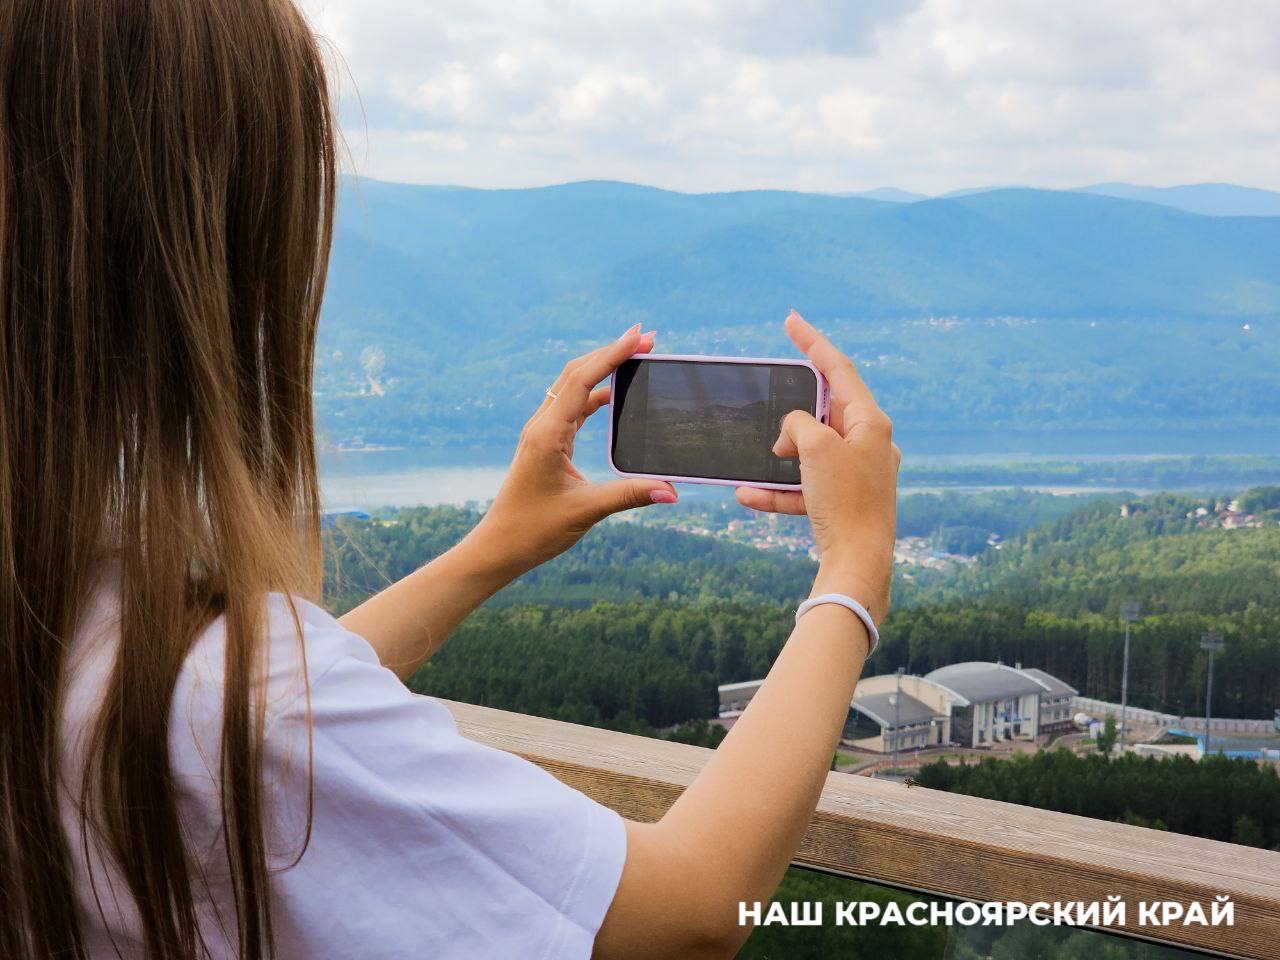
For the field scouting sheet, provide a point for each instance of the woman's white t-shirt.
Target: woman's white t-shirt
(422, 844)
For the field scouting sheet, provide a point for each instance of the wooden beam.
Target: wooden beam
(935, 842)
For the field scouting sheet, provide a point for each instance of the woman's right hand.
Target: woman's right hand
(728, 839)
(848, 472)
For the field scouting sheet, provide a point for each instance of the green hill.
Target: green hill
(1155, 549)
(631, 629)
(697, 611)
(1051, 599)
(616, 562)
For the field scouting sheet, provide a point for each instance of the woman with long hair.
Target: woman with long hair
(195, 759)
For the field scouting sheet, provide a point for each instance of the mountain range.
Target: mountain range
(1210, 199)
(449, 309)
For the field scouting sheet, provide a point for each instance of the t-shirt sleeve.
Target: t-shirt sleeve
(422, 842)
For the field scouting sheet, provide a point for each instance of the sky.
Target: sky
(822, 95)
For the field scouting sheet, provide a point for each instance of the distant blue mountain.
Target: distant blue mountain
(1211, 199)
(565, 258)
(973, 191)
(1013, 307)
(891, 194)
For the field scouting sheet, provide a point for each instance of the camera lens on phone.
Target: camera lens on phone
(791, 380)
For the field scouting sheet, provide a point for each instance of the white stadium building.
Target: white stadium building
(972, 704)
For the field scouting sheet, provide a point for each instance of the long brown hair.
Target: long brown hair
(166, 205)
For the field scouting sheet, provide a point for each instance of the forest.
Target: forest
(1220, 798)
(635, 666)
(636, 626)
(616, 562)
(1051, 598)
(1003, 512)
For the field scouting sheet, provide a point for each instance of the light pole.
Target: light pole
(1210, 641)
(1130, 611)
(897, 713)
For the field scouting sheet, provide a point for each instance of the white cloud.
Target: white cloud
(811, 94)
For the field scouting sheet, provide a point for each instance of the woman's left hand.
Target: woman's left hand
(543, 508)
(545, 505)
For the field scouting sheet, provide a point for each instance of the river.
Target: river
(365, 479)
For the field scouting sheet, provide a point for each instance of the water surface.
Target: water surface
(430, 476)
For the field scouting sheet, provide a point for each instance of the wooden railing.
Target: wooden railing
(933, 842)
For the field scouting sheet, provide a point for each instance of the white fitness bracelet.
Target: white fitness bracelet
(849, 603)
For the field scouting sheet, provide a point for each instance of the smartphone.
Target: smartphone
(691, 419)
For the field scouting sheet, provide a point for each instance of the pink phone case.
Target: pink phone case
(824, 400)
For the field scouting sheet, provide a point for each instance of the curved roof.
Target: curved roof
(1055, 686)
(880, 708)
(979, 682)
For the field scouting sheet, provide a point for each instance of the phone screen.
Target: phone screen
(707, 419)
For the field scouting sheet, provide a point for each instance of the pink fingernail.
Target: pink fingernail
(650, 333)
(630, 331)
(662, 496)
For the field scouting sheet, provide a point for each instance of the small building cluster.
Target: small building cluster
(1224, 516)
(921, 552)
(973, 704)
